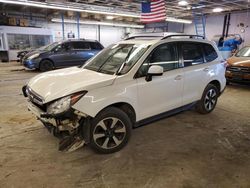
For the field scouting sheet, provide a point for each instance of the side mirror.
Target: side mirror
(154, 70)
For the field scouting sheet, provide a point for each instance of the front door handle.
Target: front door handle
(179, 77)
(206, 69)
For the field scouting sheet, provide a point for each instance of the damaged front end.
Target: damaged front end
(69, 125)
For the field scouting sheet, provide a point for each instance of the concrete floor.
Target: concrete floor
(186, 150)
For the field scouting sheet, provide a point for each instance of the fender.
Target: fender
(96, 100)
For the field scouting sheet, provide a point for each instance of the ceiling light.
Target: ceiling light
(182, 3)
(169, 19)
(99, 23)
(110, 17)
(56, 6)
(217, 9)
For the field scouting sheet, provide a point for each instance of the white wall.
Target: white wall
(236, 19)
(108, 35)
(214, 26)
(111, 35)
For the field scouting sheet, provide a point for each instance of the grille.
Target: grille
(35, 99)
(239, 69)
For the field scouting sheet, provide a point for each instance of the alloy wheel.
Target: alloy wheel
(109, 133)
(210, 99)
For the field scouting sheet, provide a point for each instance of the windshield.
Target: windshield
(49, 47)
(118, 58)
(244, 52)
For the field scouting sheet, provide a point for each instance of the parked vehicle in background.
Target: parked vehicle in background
(238, 69)
(126, 85)
(21, 54)
(62, 54)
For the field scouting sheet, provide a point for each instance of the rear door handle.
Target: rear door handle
(179, 77)
(206, 69)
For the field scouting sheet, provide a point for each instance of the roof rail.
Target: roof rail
(190, 36)
(141, 36)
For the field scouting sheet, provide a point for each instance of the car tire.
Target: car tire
(46, 65)
(208, 100)
(110, 131)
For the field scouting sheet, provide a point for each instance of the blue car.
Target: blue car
(62, 54)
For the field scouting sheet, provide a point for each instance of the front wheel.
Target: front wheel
(46, 65)
(208, 100)
(110, 130)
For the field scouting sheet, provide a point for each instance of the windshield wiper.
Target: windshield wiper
(106, 72)
(91, 68)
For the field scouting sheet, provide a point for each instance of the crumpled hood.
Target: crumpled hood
(56, 84)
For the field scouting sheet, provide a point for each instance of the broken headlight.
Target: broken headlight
(63, 104)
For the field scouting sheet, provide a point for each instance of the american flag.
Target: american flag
(153, 11)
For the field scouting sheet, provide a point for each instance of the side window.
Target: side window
(192, 54)
(62, 47)
(58, 48)
(80, 45)
(165, 55)
(95, 46)
(210, 53)
(66, 46)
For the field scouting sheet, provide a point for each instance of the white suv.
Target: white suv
(127, 84)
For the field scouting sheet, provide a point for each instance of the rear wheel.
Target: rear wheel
(46, 65)
(110, 130)
(208, 100)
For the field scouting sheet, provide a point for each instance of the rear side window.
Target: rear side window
(192, 54)
(80, 45)
(95, 46)
(209, 52)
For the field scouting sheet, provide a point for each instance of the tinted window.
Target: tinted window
(80, 45)
(210, 53)
(62, 47)
(192, 54)
(165, 55)
(66, 46)
(58, 48)
(95, 46)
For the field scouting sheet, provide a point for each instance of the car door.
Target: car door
(194, 71)
(61, 55)
(164, 92)
(81, 52)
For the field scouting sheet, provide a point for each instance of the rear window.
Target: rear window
(95, 46)
(209, 52)
(80, 45)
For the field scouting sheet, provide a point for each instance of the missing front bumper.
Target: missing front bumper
(68, 131)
